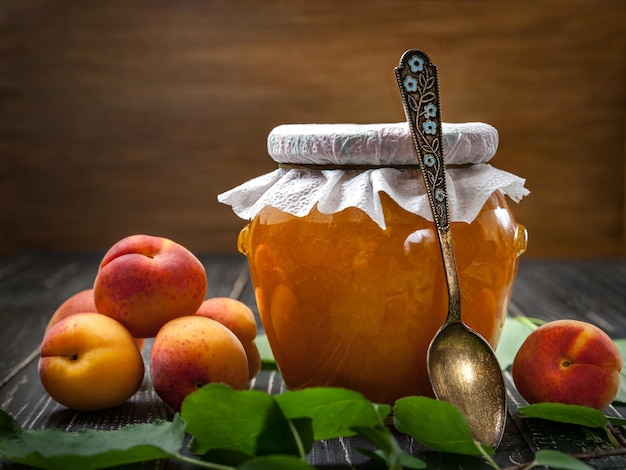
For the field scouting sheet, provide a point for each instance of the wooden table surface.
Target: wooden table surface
(32, 285)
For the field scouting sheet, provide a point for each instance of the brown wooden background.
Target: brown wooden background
(119, 117)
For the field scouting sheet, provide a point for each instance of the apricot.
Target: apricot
(81, 302)
(253, 356)
(568, 361)
(192, 351)
(145, 281)
(233, 314)
(89, 361)
(238, 318)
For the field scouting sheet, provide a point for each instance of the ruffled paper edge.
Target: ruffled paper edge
(405, 187)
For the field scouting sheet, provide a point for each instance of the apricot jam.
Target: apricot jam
(347, 303)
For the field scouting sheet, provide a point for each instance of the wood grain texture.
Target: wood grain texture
(123, 117)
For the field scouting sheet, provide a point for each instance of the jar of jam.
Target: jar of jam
(344, 255)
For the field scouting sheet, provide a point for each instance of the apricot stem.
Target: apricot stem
(296, 438)
(598, 454)
(202, 463)
(612, 435)
(617, 434)
(486, 456)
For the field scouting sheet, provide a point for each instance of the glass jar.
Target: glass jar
(347, 302)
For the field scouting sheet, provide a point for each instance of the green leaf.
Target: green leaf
(376, 456)
(621, 393)
(514, 333)
(562, 413)
(408, 461)
(248, 421)
(90, 449)
(302, 429)
(388, 450)
(559, 460)
(376, 436)
(267, 356)
(572, 414)
(9, 428)
(333, 411)
(437, 425)
(275, 462)
(616, 421)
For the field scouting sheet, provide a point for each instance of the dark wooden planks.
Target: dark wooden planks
(32, 286)
(227, 274)
(589, 290)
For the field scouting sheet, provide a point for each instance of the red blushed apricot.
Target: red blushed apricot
(238, 318)
(145, 281)
(233, 314)
(192, 351)
(81, 302)
(568, 361)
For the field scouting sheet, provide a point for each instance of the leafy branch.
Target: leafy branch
(238, 429)
(252, 430)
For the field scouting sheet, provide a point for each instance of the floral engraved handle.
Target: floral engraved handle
(419, 87)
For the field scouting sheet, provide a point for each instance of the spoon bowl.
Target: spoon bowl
(461, 365)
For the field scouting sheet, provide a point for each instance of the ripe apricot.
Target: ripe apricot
(238, 318)
(144, 281)
(192, 351)
(81, 302)
(233, 314)
(568, 361)
(90, 362)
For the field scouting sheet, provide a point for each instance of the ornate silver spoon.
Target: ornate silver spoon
(462, 366)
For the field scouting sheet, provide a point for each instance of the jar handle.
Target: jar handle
(521, 240)
(243, 240)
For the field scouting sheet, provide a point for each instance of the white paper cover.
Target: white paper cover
(297, 191)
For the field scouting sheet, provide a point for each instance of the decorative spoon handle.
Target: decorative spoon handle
(419, 88)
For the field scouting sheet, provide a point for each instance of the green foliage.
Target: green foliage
(52, 449)
(247, 421)
(334, 411)
(621, 394)
(275, 462)
(572, 414)
(267, 356)
(437, 425)
(514, 333)
(558, 460)
(252, 430)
